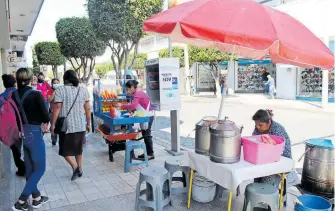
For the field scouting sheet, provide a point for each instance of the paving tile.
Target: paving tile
(106, 188)
(86, 185)
(55, 191)
(94, 196)
(70, 187)
(87, 191)
(126, 190)
(59, 203)
(128, 177)
(82, 180)
(77, 199)
(73, 194)
(100, 182)
(110, 193)
(52, 186)
(57, 197)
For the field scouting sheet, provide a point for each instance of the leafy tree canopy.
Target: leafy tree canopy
(119, 22)
(102, 69)
(77, 38)
(48, 53)
(177, 52)
(79, 44)
(197, 54)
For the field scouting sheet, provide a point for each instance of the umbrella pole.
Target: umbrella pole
(231, 66)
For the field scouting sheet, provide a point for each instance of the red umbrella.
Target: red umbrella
(243, 27)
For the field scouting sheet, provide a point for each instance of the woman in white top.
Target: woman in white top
(71, 142)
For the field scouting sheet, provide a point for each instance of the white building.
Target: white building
(17, 20)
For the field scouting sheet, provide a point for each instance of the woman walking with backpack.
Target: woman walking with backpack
(33, 114)
(11, 132)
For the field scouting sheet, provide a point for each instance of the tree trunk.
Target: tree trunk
(91, 68)
(54, 71)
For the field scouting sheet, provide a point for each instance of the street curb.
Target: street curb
(228, 101)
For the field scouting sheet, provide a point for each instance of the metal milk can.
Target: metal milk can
(202, 134)
(225, 144)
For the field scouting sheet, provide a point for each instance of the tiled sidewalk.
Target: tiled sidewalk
(101, 178)
(104, 185)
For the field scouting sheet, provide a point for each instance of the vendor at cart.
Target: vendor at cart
(264, 124)
(140, 102)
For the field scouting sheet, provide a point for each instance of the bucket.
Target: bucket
(203, 190)
(312, 203)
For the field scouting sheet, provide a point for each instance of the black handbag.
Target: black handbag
(61, 123)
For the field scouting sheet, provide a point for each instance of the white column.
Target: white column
(4, 63)
(325, 78)
(187, 70)
(1, 72)
(175, 125)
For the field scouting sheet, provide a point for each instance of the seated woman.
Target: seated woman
(264, 124)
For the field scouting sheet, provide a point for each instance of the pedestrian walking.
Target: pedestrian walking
(51, 98)
(43, 86)
(9, 83)
(33, 113)
(271, 85)
(71, 102)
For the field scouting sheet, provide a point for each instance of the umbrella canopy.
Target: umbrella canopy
(243, 27)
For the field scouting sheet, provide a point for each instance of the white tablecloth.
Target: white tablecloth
(230, 176)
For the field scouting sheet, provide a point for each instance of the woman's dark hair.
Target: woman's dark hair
(132, 83)
(263, 115)
(53, 80)
(70, 77)
(23, 77)
(9, 81)
(40, 74)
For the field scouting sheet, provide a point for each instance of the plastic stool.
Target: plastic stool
(261, 193)
(158, 188)
(173, 165)
(130, 146)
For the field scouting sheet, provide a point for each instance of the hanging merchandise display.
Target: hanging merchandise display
(331, 83)
(311, 83)
(249, 76)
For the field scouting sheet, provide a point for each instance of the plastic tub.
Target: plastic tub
(258, 153)
(312, 203)
(203, 190)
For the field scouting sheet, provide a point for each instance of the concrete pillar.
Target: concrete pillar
(1, 72)
(175, 124)
(187, 70)
(325, 78)
(4, 63)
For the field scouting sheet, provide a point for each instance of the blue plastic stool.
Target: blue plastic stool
(130, 146)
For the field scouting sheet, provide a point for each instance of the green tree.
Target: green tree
(177, 52)
(36, 65)
(48, 53)
(139, 61)
(102, 69)
(79, 44)
(120, 24)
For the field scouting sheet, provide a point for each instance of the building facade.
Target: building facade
(17, 20)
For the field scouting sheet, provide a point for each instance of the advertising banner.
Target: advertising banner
(169, 83)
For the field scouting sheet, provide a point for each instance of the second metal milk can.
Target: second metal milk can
(202, 134)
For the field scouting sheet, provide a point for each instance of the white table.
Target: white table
(230, 176)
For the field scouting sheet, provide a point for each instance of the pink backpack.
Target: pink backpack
(9, 131)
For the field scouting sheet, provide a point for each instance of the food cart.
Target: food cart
(116, 131)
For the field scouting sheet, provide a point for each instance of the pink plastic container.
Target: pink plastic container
(258, 153)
